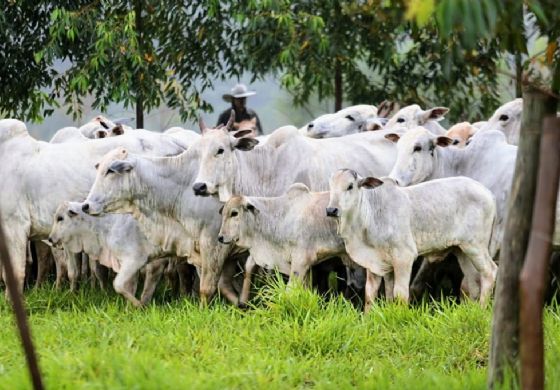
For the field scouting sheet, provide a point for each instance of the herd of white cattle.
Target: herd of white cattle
(375, 192)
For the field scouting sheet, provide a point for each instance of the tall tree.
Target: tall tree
(365, 52)
(141, 53)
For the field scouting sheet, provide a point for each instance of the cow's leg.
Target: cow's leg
(226, 281)
(73, 262)
(17, 250)
(402, 268)
(471, 281)
(60, 265)
(373, 282)
(250, 267)
(300, 270)
(84, 268)
(154, 271)
(44, 262)
(389, 279)
(126, 279)
(486, 268)
(422, 277)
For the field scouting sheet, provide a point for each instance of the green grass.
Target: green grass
(293, 338)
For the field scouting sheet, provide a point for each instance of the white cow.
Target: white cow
(188, 137)
(290, 233)
(157, 191)
(114, 240)
(38, 176)
(349, 120)
(69, 134)
(397, 225)
(488, 158)
(461, 133)
(413, 116)
(507, 119)
(231, 164)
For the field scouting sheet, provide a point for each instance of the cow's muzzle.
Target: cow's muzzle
(332, 212)
(200, 189)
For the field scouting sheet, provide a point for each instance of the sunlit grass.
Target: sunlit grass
(288, 338)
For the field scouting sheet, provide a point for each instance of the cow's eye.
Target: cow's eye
(350, 187)
(310, 126)
(350, 118)
(400, 120)
(504, 117)
(220, 151)
(234, 213)
(417, 148)
(60, 218)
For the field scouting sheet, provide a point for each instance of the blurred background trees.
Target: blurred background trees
(144, 54)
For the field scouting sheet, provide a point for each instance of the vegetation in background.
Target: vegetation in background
(147, 53)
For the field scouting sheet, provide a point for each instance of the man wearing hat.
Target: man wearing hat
(238, 100)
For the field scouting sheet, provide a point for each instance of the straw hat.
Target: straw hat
(239, 91)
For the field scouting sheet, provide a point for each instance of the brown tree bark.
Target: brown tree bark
(534, 273)
(504, 348)
(20, 315)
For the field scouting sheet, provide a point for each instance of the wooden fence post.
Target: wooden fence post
(535, 270)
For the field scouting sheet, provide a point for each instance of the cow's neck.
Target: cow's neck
(264, 171)
(446, 161)
(267, 223)
(161, 182)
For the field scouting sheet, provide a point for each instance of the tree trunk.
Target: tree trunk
(139, 95)
(534, 274)
(518, 75)
(504, 349)
(337, 85)
(18, 307)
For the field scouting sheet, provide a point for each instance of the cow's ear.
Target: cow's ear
(245, 144)
(369, 182)
(118, 130)
(72, 213)
(436, 113)
(251, 208)
(393, 137)
(96, 166)
(297, 189)
(220, 210)
(120, 166)
(443, 141)
(241, 133)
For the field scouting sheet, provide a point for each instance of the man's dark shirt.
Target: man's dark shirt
(244, 115)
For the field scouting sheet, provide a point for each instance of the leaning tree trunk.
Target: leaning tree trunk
(534, 274)
(504, 348)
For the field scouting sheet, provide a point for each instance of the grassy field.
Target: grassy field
(291, 339)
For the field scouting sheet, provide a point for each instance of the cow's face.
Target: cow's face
(412, 116)
(112, 189)
(347, 121)
(416, 155)
(234, 224)
(461, 134)
(507, 118)
(343, 186)
(68, 224)
(217, 161)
